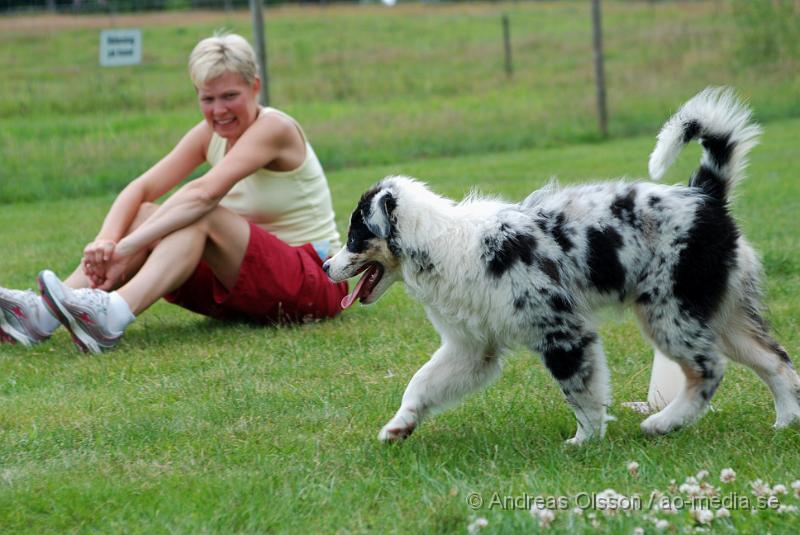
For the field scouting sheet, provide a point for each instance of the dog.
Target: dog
(493, 274)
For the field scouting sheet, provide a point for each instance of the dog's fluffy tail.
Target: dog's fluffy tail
(721, 122)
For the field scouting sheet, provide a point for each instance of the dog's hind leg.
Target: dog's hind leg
(454, 370)
(693, 346)
(748, 341)
(577, 361)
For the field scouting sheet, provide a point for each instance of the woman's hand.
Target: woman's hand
(116, 270)
(95, 262)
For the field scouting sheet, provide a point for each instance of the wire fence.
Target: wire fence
(128, 6)
(124, 6)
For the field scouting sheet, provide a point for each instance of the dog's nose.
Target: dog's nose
(326, 266)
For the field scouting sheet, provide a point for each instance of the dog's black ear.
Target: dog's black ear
(379, 218)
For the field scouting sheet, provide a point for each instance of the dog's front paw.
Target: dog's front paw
(399, 428)
(787, 420)
(395, 434)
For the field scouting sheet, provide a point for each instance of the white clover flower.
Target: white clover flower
(779, 489)
(727, 475)
(633, 468)
(691, 490)
(477, 525)
(702, 516)
(690, 481)
(787, 509)
(708, 489)
(661, 524)
(796, 488)
(638, 531)
(576, 511)
(702, 474)
(546, 518)
(723, 513)
(760, 488)
(544, 515)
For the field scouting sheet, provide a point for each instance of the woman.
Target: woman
(245, 240)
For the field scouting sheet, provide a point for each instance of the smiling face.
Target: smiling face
(229, 104)
(367, 250)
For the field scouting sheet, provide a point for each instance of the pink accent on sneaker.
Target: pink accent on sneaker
(83, 312)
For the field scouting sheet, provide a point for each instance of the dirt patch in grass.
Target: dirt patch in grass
(73, 22)
(46, 22)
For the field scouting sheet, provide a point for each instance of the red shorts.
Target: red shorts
(277, 283)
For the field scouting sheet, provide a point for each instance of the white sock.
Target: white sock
(119, 313)
(47, 321)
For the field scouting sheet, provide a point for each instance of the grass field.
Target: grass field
(195, 426)
(370, 85)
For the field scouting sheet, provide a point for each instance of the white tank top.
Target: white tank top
(293, 205)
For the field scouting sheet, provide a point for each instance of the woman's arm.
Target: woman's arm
(264, 141)
(156, 181)
(163, 176)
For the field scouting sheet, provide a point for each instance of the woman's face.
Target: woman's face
(229, 104)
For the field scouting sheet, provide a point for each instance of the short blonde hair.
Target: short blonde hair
(221, 53)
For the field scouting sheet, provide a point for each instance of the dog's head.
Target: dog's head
(371, 246)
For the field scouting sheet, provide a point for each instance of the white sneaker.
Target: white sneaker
(21, 318)
(83, 312)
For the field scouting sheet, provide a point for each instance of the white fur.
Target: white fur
(493, 274)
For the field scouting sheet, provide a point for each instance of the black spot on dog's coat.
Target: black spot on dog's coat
(719, 147)
(507, 248)
(605, 269)
(623, 207)
(522, 301)
(564, 361)
(690, 131)
(560, 233)
(422, 259)
(704, 265)
(550, 268)
(358, 235)
(710, 182)
(559, 303)
(654, 201)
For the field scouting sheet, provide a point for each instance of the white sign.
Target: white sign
(120, 47)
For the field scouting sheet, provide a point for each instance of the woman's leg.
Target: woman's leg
(220, 238)
(97, 319)
(25, 319)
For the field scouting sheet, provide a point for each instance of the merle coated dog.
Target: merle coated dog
(492, 274)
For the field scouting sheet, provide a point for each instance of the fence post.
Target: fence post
(261, 51)
(507, 46)
(599, 74)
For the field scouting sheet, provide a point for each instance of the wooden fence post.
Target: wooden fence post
(507, 46)
(599, 74)
(261, 51)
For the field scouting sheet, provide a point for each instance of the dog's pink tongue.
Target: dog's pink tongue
(356, 293)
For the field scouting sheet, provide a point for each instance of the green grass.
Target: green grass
(195, 426)
(370, 85)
